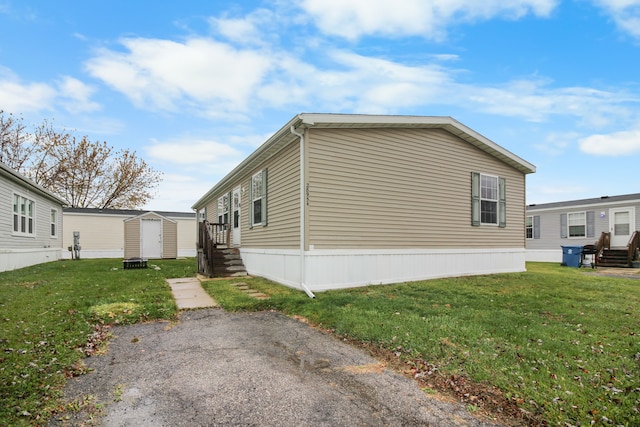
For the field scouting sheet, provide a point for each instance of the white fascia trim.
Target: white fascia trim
(584, 207)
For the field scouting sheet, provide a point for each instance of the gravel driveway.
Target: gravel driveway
(215, 368)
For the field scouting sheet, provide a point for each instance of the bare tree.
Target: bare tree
(85, 173)
(15, 149)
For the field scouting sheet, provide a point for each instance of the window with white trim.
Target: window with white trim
(488, 200)
(23, 216)
(258, 196)
(223, 209)
(54, 223)
(528, 227)
(577, 224)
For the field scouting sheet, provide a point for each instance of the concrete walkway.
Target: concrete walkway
(189, 294)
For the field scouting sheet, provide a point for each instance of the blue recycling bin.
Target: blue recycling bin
(571, 256)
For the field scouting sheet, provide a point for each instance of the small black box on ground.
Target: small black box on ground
(134, 263)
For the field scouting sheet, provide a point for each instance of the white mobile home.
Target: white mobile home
(549, 226)
(30, 222)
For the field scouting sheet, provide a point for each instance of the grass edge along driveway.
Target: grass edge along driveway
(53, 315)
(554, 345)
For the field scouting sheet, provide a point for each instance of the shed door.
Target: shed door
(622, 225)
(151, 238)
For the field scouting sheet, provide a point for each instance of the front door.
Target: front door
(151, 238)
(235, 206)
(621, 225)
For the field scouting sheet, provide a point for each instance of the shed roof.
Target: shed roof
(284, 137)
(149, 214)
(17, 177)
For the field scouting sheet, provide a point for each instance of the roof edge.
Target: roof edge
(310, 120)
(594, 201)
(17, 176)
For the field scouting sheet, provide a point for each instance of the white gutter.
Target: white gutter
(302, 214)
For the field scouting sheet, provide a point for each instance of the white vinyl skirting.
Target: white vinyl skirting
(12, 259)
(337, 269)
(544, 255)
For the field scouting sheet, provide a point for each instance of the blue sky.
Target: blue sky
(196, 86)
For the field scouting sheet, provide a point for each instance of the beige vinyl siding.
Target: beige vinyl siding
(283, 203)
(403, 188)
(187, 233)
(105, 232)
(97, 232)
(169, 239)
(132, 239)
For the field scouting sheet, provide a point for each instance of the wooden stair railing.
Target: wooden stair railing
(632, 246)
(210, 236)
(603, 243)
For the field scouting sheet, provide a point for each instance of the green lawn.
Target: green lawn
(562, 346)
(52, 314)
(556, 343)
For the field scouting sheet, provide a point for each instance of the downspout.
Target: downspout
(303, 211)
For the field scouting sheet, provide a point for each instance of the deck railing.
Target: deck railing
(210, 237)
(604, 242)
(632, 246)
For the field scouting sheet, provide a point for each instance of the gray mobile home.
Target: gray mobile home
(550, 226)
(339, 200)
(30, 222)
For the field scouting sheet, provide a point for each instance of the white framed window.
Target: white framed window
(577, 224)
(223, 209)
(258, 199)
(54, 223)
(488, 200)
(528, 227)
(23, 216)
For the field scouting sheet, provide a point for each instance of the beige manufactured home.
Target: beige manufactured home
(118, 233)
(333, 201)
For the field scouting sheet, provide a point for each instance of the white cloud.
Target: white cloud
(428, 18)
(163, 74)
(625, 13)
(355, 83)
(178, 192)
(549, 191)
(615, 144)
(248, 29)
(213, 79)
(77, 95)
(24, 97)
(195, 152)
(18, 96)
(536, 100)
(556, 143)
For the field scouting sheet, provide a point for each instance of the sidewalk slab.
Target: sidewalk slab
(189, 294)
